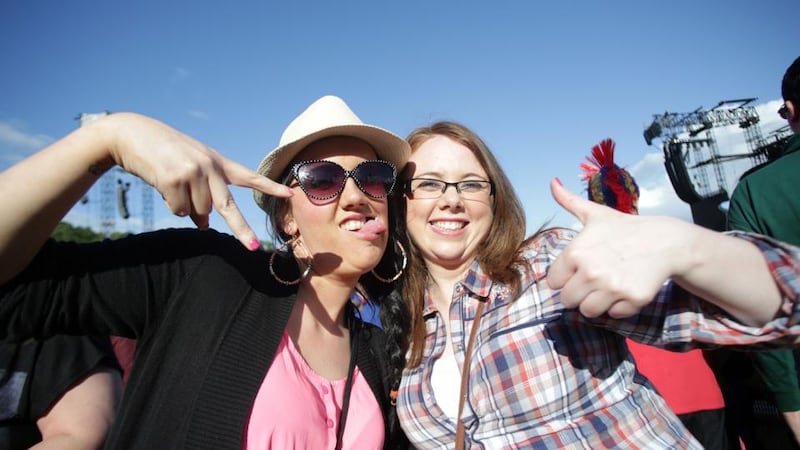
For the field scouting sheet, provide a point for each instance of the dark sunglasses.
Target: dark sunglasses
(324, 180)
(783, 111)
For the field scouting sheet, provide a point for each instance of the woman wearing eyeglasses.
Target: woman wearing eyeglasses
(520, 343)
(237, 348)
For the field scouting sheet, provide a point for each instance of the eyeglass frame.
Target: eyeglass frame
(407, 186)
(347, 174)
(783, 111)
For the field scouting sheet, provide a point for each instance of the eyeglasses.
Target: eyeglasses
(783, 111)
(433, 188)
(324, 180)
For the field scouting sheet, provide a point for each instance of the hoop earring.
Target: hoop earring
(280, 280)
(397, 275)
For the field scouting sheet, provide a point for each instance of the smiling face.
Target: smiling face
(345, 235)
(449, 229)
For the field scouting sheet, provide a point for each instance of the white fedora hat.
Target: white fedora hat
(329, 116)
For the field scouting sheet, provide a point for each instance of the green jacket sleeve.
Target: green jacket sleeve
(777, 370)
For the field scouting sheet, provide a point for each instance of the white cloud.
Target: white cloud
(16, 144)
(661, 200)
(12, 135)
(658, 197)
(656, 194)
(768, 112)
(197, 114)
(179, 74)
(649, 170)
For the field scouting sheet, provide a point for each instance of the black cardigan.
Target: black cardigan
(208, 318)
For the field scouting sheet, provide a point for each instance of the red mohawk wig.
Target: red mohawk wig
(609, 184)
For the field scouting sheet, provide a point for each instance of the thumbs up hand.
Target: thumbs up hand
(618, 262)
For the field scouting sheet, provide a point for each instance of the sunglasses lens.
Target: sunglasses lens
(375, 178)
(320, 180)
(323, 180)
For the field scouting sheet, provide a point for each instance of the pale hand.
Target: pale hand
(191, 177)
(617, 262)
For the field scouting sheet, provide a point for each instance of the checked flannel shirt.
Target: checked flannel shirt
(546, 377)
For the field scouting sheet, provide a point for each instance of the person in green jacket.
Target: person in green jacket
(765, 201)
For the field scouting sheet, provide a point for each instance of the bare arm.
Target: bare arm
(82, 417)
(36, 193)
(618, 262)
(727, 271)
(793, 421)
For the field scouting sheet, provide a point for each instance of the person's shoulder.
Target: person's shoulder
(374, 336)
(782, 166)
(548, 240)
(169, 237)
(147, 248)
(193, 241)
(539, 250)
(208, 235)
(740, 194)
(757, 171)
(215, 250)
(371, 330)
(763, 176)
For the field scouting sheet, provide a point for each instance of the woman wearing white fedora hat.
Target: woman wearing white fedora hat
(237, 348)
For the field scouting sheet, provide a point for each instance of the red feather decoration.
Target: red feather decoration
(608, 183)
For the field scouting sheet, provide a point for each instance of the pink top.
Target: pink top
(297, 408)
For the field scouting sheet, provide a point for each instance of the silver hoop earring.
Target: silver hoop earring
(280, 280)
(397, 275)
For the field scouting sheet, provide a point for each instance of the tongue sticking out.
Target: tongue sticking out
(373, 227)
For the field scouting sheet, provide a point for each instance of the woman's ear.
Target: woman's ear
(793, 112)
(285, 219)
(288, 225)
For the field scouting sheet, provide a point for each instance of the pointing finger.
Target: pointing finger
(200, 220)
(242, 176)
(226, 207)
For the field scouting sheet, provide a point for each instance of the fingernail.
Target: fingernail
(254, 244)
(289, 190)
(559, 182)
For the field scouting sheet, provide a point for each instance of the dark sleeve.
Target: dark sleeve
(18, 429)
(64, 361)
(115, 287)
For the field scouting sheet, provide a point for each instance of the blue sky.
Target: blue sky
(541, 82)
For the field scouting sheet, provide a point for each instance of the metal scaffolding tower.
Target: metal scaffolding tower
(693, 159)
(114, 192)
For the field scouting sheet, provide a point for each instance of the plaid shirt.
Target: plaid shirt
(546, 377)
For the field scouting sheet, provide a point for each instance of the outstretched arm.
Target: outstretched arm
(618, 263)
(37, 193)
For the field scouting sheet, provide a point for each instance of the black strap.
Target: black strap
(348, 386)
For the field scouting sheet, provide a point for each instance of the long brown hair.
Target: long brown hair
(498, 256)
